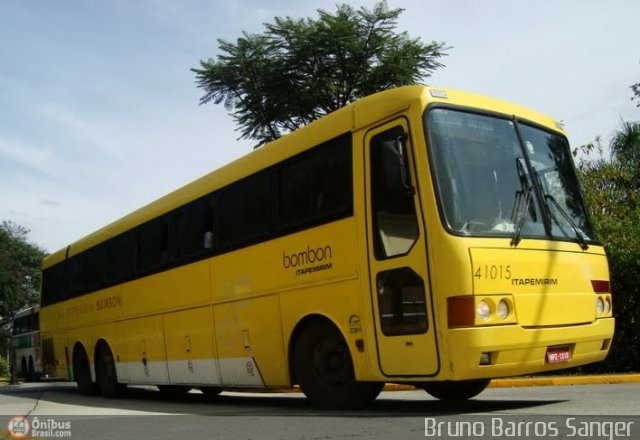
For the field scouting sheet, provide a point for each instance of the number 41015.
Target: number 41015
(493, 272)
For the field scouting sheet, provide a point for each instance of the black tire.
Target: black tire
(82, 373)
(106, 375)
(31, 374)
(24, 369)
(450, 391)
(211, 392)
(324, 370)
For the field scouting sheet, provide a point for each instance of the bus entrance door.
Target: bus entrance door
(405, 337)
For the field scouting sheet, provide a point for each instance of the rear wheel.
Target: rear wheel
(174, 390)
(106, 375)
(450, 391)
(211, 391)
(31, 374)
(24, 369)
(324, 369)
(82, 373)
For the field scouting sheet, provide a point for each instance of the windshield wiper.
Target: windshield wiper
(519, 213)
(567, 217)
(521, 204)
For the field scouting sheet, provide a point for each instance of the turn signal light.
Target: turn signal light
(468, 310)
(461, 311)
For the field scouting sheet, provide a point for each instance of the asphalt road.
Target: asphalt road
(56, 410)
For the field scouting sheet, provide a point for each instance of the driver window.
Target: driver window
(393, 208)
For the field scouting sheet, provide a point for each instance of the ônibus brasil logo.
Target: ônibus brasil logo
(19, 426)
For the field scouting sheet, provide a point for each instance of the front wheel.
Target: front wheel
(324, 370)
(450, 391)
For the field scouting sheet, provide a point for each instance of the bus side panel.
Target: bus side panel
(181, 287)
(249, 340)
(145, 356)
(190, 345)
(63, 363)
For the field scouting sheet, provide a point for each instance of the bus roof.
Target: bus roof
(357, 115)
(27, 311)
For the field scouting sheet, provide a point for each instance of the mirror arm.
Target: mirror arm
(404, 175)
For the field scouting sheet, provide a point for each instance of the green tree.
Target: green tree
(612, 189)
(299, 70)
(20, 263)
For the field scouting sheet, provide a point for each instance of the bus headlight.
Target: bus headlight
(599, 306)
(483, 311)
(503, 309)
(468, 310)
(607, 305)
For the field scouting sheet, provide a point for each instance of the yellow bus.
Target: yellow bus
(420, 235)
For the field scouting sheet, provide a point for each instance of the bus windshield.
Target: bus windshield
(496, 178)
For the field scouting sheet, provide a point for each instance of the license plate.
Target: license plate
(558, 354)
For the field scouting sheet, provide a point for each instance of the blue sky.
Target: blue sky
(99, 112)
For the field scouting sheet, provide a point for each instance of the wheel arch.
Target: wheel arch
(303, 324)
(102, 342)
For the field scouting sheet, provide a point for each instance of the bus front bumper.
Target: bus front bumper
(488, 352)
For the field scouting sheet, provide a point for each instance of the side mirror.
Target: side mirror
(399, 146)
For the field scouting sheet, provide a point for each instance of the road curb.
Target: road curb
(564, 380)
(543, 381)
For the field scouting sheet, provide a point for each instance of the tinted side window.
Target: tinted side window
(51, 285)
(55, 283)
(193, 225)
(316, 186)
(152, 245)
(91, 268)
(242, 211)
(120, 258)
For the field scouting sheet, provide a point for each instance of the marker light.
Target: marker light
(435, 93)
(599, 306)
(483, 311)
(503, 309)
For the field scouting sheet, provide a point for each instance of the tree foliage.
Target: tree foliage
(298, 70)
(612, 189)
(635, 89)
(20, 274)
